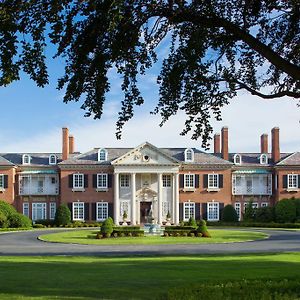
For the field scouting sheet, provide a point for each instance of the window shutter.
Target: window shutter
(221, 207)
(221, 181)
(70, 204)
(86, 180)
(111, 210)
(181, 211)
(197, 211)
(181, 181)
(205, 180)
(197, 181)
(284, 181)
(204, 211)
(70, 180)
(86, 211)
(110, 180)
(94, 211)
(299, 181)
(94, 180)
(5, 181)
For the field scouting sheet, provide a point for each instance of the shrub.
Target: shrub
(203, 229)
(3, 220)
(264, 214)
(166, 234)
(107, 227)
(184, 233)
(99, 236)
(285, 211)
(7, 209)
(17, 220)
(229, 214)
(46, 223)
(198, 234)
(62, 215)
(249, 214)
(78, 224)
(192, 222)
(37, 225)
(192, 234)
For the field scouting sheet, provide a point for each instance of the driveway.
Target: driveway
(27, 243)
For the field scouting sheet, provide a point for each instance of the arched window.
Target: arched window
(263, 159)
(52, 159)
(189, 155)
(237, 159)
(25, 159)
(102, 155)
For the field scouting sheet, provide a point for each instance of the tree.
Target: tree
(216, 48)
(229, 214)
(250, 211)
(286, 211)
(62, 215)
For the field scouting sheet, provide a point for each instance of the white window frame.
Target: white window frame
(237, 157)
(263, 159)
(35, 207)
(188, 210)
(99, 180)
(26, 209)
(26, 159)
(79, 215)
(189, 155)
(264, 204)
(215, 184)
(125, 205)
(166, 181)
(213, 211)
(189, 181)
(1, 181)
(101, 211)
(237, 207)
(254, 205)
(52, 210)
(52, 157)
(102, 154)
(76, 182)
(292, 181)
(124, 180)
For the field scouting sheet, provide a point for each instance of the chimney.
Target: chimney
(275, 144)
(65, 143)
(71, 144)
(224, 133)
(217, 143)
(264, 143)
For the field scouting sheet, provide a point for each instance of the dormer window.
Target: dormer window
(102, 155)
(237, 159)
(263, 159)
(52, 159)
(26, 159)
(189, 155)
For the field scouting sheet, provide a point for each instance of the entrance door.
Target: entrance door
(39, 211)
(145, 212)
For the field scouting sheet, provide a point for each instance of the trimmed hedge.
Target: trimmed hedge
(63, 215)
(255, 224)
(17, 220)
(229, 214)
(119, 231)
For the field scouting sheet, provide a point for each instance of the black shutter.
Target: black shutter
(181, 181)
(284, 181)
(70, 204)
(94, 216)
(86, 211)
(94, 180)
(204, 211)
(197, 181)
(220, 181)
(70, 180)
(205, 180)
(197, 211)
(111, 210)
(5, 181)
(86, 180)
(299, 181)
(221, 207)
(110, 180)
(180, 211)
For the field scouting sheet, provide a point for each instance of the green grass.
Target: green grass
(218, 236)
(134, 277)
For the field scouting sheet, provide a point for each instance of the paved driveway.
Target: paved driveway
(26, 243)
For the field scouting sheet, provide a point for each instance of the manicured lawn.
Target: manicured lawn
(218, 236)
(134, 277)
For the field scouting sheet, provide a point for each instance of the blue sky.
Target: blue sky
(32, 119)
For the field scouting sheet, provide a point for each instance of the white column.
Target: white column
(133, 200)
(176, 198)
(159, 198)
(116, 199)
(173, 216)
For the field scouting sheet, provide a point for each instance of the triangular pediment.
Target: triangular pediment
(145, 154)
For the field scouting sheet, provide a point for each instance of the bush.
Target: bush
(192, 222)
(17, 220)
(37, 225)
(7, 209)
(229, 214)
(285, 211)
(264, 214)
(3, 220)
(46, 223)
(62, 215)
(107, 227)
(249, 214)
(203, 229)
(78, 224)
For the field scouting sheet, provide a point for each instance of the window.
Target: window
(237, 159)
(26, 209)
(292, 181)
(189, 180)
(52, 210)
(2, 181)
(264, 204)
(188, 210)
(102, 211)
(213, 211)
(166, 179)
(254, 205)
(39, 211)
(124, 206)
(166, 208)
(237, 207)
(78, 211)
(189, 155)
(25, 159)
(102, 155)
(263, 159)
(52, 159)
(213, 180)
(101, 181)
(124, 180)
(78, 181)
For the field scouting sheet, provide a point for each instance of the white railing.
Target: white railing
(38, 185)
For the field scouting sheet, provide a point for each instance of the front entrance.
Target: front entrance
(146, 212)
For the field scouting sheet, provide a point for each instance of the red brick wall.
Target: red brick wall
(9, 194)
(282, 192)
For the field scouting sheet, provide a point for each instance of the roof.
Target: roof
(5, 162)
(290, 160)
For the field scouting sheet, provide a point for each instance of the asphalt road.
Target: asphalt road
(27, 243)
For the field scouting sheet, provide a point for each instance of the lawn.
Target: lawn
(134, 277)
(218, 236)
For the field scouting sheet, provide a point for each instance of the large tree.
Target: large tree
(216, 48)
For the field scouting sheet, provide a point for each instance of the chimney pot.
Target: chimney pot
(224, 132)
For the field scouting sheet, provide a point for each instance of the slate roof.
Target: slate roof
(291, 160)
(5, 162)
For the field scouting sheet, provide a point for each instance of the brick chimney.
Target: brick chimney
(217, 143)
(71, 144)
(65, 143)
(224, 133)
(264, 143)
(275, 144)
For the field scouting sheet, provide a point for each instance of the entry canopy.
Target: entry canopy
(253, 171)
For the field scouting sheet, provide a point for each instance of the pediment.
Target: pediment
(145, 154)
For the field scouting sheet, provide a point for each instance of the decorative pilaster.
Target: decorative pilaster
(133, 200)
(116, 199)
(159, 198)
(176, 198)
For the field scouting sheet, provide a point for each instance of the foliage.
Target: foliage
(134, 231)
(3, 220)
(285, 211)
(212, 50)
(229, 214)
(125, 216)
(255, 224)
(6, 208)
(17, 220)
(107, 228)
(203, 229)
(249, 214)
(62, 215)
(265, 214)
(192, 222)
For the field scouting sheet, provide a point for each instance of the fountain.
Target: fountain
(151, 228)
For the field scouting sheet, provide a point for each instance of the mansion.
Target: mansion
(148, 182)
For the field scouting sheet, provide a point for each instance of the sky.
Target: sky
(32, 119)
